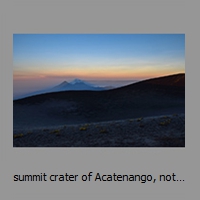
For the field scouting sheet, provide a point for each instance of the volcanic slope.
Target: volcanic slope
(153, 97)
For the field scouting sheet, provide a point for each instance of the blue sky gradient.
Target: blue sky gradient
(40, 60)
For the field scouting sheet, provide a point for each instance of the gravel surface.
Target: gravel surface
(158, 131)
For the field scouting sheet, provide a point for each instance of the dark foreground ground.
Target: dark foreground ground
(105, 118)
(160, 131)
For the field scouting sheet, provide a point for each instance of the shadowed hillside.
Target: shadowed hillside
(157, 96)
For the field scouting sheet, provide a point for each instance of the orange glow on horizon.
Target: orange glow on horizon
(105, 73)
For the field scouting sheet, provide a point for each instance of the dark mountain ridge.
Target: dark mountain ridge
(156, 96)
(169, 84)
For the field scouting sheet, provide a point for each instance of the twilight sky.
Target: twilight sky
(43, 60)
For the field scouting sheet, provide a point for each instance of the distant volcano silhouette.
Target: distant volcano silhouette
(75, 85)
